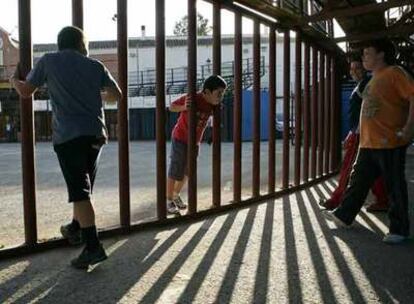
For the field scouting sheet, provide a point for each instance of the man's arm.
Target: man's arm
(408, 130)
(23, 88)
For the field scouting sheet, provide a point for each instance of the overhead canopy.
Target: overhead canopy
(361, 20)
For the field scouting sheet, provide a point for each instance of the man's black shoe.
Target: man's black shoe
(89, 257)
(72, 234)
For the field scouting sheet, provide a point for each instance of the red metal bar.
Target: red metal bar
(327, 128)
(123, 133)
(336, 116)
(272, 111)
(77, 13)
(192, 119)
(321, 112)
(286, 109)
(306, 112)
(314, 115)
(160, 110)
(333, 122)
(256, 110)
(27, 126)
(237, 108)
(298, 106)
(217, 111)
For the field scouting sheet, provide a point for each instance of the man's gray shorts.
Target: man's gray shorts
(178, 160)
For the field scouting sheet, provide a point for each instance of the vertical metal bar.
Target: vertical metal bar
(160, 110)
(321, 111)
(327, 128)
(237, 108)
(335, 92)
(192, 119)
(286, 109)
(306, 112)
(330, 28)
(77, 13)
(333, 101)
(298, 106)
(217, 111)
(272, 110)
(256, 110)
(27, 126)
(123, 140)
(314, 115)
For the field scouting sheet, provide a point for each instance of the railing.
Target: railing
(143, 83)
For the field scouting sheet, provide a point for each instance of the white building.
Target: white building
(141, 60)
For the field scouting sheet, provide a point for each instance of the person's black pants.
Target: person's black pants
(369, 164)
(78, 159)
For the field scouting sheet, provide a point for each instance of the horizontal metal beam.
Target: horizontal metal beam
(357, 10)
(400, 31)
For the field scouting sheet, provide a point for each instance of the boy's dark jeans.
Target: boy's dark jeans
(369, 164)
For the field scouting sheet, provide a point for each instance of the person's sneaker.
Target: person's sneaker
(88, 258)
(72, 234)
(391, 238)
(172, 208)
(377, 207)
(179, 203)
(329, 215)
(328, 204)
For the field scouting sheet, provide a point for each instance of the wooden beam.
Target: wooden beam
(357, 10)
(401, 31)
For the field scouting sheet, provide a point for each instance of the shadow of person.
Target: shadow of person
(48, 276)
(389, 270)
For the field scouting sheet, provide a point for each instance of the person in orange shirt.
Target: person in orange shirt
(386, 129)
(351, 143)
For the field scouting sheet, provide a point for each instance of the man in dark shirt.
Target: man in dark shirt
(351, 143)
(77, 85)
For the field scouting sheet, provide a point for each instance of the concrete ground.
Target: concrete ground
(51, 195)
(279, 251)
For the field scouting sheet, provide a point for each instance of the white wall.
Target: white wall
(177, 57)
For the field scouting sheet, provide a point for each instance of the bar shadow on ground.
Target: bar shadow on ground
(269, 252)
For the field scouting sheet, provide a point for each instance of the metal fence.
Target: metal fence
(316, 116)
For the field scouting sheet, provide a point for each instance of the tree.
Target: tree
(181, 26)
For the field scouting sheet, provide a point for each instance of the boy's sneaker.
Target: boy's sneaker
(329, 215)
(172, 208)
(179, 203)
(88, 257)
(72, 234)
(392, 239)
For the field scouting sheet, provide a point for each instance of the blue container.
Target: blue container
(247, 115)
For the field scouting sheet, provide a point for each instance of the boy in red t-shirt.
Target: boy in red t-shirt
(211, 96)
